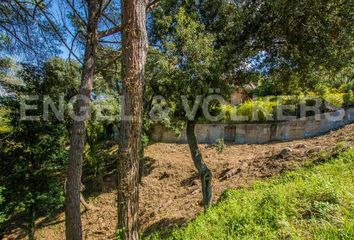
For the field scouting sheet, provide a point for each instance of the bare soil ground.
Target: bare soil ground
(170, 191)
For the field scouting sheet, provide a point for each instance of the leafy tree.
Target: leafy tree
(34, 154)
(289, 42)
(89, 25)
(92, 24)
(185, 70)
(220, 44)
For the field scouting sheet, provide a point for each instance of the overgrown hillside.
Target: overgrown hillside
(314, 203)
(170, 190)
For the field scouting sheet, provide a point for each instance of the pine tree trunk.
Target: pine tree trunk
(204, 172)
(134, 41)
(77, 141)
(32, 224)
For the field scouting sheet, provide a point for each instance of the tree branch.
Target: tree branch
(109, 42)
(108, 18)
(100, 69)
(56, 31)
(72, 44)
(105, 6)
(110, 32)
(150, 6)
(14, 35)
(71, 5)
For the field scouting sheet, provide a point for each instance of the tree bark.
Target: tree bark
(204, 172)
(32, 224)
(73, 228)
(134, 51)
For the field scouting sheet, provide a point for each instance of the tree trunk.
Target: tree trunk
(32, 224)
(73, 184)
(204, 172)
(134, 42)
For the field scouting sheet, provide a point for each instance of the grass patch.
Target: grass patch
(316, 202)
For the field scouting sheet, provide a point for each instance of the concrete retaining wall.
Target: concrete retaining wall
(251, 133)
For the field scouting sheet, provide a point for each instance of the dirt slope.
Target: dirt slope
(170, 191)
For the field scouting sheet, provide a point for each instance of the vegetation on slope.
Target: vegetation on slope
(316, 202)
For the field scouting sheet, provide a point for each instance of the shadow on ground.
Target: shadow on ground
(165, 226)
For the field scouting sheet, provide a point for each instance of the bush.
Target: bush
(257, 110)
(264, 109)
(4, 121)
(229, 111)
(348, 98)
(220, 145)
(335, 99)
(321, 89)
(2, 199)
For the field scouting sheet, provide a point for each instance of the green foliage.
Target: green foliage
(333, 96)
(2, 199)
(187, 64)
(61, 77)
(293, 44)
(24, 34)
(33, 155)
(284, 82)
(220, 145)
(120, 234)
(4, 41)
(102, 126)
(32, 159)
(284, 47)
(348, 98)
(335, 99)
(313, 203)
(5, 64)
(257, 110)
(229, 111)
(265, 108)
(322, 81)
(5, 126)
(8, 79)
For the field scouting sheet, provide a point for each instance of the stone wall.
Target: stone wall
(251, 133)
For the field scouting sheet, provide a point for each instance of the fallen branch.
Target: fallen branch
(87, 206)
(229, 173)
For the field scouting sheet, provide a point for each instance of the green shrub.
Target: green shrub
(220, 145)
(335, 99)
(264, 109)
(322, 89)
(2, 199)
(4, 121)
(257, 110)
(348, 98)
(229, 111)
